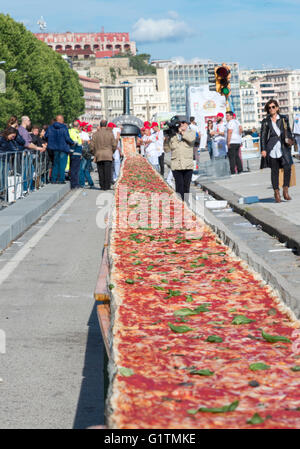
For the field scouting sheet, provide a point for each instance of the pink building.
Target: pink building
(96, 42)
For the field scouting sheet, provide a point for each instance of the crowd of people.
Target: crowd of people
(73, 150)
(68, 152)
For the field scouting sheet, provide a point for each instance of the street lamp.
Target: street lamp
(3, 78)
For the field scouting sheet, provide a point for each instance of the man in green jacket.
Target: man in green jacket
(182, 164)
(75, 155)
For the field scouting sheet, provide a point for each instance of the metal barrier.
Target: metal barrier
(22, 172)
(250, 150)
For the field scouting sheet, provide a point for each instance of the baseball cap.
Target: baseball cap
(220, 115)
(111, 125)
(147, 124)
(154, 124)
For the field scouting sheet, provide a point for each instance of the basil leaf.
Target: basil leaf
(189, 298)
(258, 366)
(138, 262)
(173, 293)
(222, 280)
(202, 308)
(202, 372)
(129, 281)
(157, 287)
(150, 267)
(256, 419)
(241, 319)
(214, 339)
(126, 372)
(192, 411)
(186, 312)
(272, 312)
(274, 338)
(296, 368)
(231, 270)
(227, 408)
(111, 286)
(179, 329)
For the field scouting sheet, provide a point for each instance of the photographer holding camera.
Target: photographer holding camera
(181, 146)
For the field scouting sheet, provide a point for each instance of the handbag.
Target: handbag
(288, 141)
(293, 176)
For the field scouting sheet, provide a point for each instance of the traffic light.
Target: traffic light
(222, 76)
(212, 79)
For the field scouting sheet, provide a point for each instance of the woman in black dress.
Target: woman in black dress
(276, 140)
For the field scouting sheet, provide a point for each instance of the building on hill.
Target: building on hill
(108, 70)
(96, 42)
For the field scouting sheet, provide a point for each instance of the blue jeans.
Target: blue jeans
(84, 173)
(210, 149)
(28, 172)
(59, 166)
(74, 171)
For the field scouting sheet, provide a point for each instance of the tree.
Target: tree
(139, 62)
(43, 86)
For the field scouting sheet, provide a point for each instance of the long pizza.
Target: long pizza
(198, 340)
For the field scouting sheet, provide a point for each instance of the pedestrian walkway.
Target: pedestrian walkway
(282, 218)
(52, 369)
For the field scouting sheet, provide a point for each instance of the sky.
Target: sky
(254, 33)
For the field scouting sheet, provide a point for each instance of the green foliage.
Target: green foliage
(113, 74)
(44, 84)
(139, 62)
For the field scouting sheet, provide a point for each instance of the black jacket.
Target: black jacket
(5, 145)
(269, 138)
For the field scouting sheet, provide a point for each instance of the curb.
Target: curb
(271, 223)
(17, 218)
(288, 293)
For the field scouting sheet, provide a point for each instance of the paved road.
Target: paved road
(52, 371)
(259, 183)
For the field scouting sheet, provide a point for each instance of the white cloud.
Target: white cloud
(151, 30)
(173, 14)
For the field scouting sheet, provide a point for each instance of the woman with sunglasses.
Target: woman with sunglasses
(276, 140)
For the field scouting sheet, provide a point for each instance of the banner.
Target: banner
(204, 105)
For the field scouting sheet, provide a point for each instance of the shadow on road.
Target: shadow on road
(90, 408)
(267, 200)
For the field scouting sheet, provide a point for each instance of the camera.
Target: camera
(173, 125)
